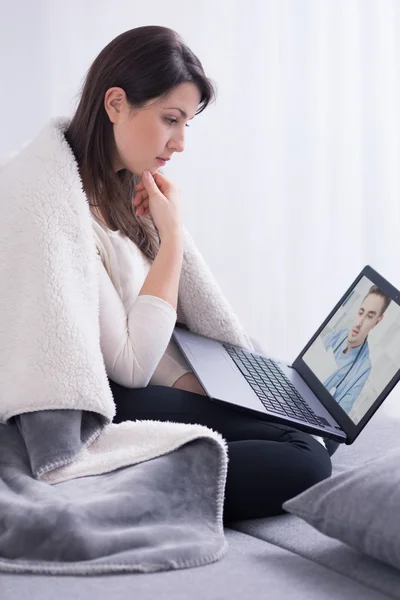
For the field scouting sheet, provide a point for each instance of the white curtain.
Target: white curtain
(291, 180)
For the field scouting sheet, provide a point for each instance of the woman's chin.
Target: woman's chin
(153, 170)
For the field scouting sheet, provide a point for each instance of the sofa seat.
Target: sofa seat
(252, 569)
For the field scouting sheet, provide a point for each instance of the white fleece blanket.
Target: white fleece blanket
(52, 374)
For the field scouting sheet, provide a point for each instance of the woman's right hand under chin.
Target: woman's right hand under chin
(159, 197)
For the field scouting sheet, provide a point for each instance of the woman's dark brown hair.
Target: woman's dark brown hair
(146, 62)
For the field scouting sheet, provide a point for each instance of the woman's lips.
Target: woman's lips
(162, 161)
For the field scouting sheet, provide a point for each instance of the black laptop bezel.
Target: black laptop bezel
(351, 429)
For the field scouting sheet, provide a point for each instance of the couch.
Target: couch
(278, 557)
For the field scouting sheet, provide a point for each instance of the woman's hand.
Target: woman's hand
(190, 383)
(157, 196)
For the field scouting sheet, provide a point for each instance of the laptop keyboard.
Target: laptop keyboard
(271, 385)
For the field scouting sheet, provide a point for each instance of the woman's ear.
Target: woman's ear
(114, 103)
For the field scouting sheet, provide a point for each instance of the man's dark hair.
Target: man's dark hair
(386, 300)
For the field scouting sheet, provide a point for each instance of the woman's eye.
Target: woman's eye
(170, 121)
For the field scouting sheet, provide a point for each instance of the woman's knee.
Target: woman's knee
(312, 459)
(315, 466)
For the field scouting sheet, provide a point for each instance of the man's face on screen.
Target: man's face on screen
(368, 316)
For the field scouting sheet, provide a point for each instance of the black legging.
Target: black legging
(268, 462)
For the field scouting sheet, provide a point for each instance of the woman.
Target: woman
(138, 97)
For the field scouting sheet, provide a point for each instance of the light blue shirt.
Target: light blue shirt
(350, 388)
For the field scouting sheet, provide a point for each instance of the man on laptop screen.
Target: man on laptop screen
(344, 366)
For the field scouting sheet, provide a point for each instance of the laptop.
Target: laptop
(337, 382)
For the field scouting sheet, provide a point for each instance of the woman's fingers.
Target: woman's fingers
(140, 197)
(158, 177)
(141, 211)
(137, 199)
(141, 200)
(141, 203)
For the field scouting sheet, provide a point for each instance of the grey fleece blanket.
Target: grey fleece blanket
(157, 515)
(80, 494)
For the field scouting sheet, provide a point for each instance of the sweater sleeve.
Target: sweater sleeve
(132, 344)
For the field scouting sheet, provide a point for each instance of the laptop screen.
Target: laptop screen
(358, 352)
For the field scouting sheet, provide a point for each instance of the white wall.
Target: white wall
(25, 98)
(291, 180)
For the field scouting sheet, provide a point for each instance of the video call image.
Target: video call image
(358, 352)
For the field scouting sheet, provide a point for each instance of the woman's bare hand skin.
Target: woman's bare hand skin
(190, 383)
(158, 196)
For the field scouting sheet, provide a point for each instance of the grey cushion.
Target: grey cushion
(360, 507)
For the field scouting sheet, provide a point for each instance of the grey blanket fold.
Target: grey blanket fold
(54, 437)
(78, 493)
(157, 515)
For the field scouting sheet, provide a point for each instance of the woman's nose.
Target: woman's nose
(177, 144)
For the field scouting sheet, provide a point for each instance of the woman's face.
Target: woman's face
(145, 136)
